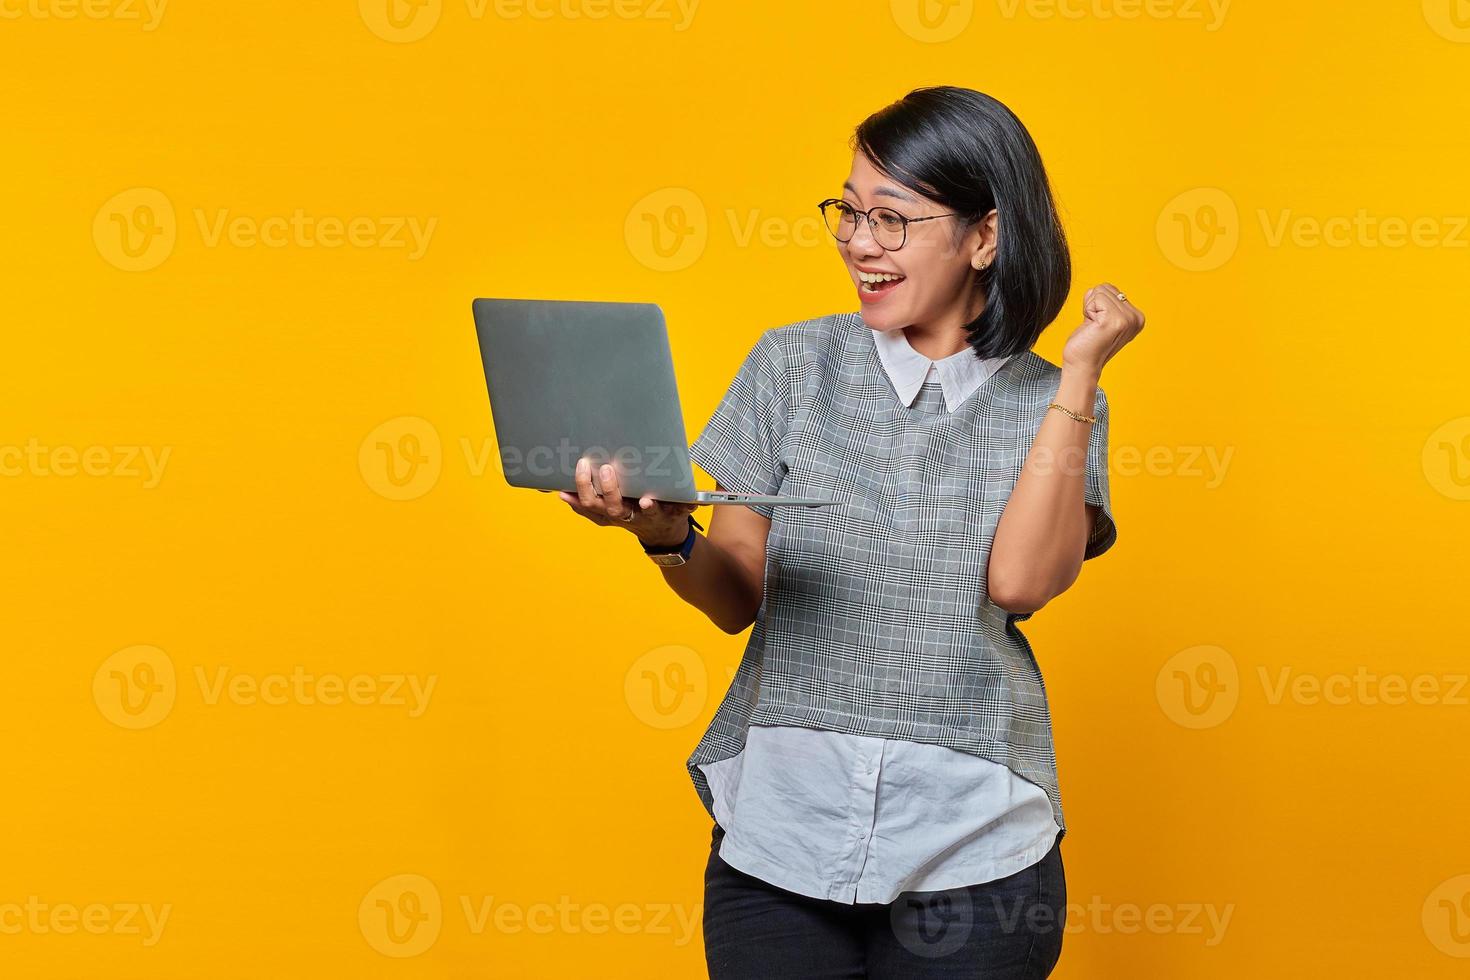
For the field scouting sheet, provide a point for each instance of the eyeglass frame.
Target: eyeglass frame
(872, 228)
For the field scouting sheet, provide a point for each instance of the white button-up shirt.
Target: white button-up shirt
(854, 818)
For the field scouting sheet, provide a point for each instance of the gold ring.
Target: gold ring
(1122, 298)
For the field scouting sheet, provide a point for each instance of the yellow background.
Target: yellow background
(544, 779)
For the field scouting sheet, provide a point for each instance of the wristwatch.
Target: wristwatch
(677, 554)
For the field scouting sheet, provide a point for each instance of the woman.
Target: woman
(881, 772)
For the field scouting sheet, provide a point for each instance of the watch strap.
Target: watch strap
(683, 547)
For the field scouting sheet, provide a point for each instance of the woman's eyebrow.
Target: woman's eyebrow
(884, 190)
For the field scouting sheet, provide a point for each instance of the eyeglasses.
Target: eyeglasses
(890, 229)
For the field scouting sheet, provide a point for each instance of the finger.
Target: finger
(611, 496)
(1105, 296)
(575, 504)
(1112, 292)
(585, 493)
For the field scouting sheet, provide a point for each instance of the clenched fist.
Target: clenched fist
(1108, 323)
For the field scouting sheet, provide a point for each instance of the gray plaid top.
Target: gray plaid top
(876, 619)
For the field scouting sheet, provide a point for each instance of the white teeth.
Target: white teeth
(877, 276)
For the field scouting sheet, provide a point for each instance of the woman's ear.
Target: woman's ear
(984, 237)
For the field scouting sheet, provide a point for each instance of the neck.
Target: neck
(946, 335)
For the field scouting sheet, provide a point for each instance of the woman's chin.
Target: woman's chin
(883, 321)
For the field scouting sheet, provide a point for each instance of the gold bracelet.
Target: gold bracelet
(1071, 414)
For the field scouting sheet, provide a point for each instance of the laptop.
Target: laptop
(568, 378)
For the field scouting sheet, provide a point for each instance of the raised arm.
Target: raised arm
(1042, 536)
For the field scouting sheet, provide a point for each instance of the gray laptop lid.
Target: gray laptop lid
(567, 377)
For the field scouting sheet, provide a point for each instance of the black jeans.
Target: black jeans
(1007, 929)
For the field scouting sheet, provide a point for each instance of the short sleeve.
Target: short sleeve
(1096, 489)
(740, 446)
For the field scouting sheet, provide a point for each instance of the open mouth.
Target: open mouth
(873, 284)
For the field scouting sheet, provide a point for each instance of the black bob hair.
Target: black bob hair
(969, 153)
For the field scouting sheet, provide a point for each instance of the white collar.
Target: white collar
(960, 374)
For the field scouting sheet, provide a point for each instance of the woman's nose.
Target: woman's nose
(862, 241)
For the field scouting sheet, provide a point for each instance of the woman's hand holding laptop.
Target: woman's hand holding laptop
(657, 523)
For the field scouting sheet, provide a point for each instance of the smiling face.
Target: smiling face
(931, 282)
